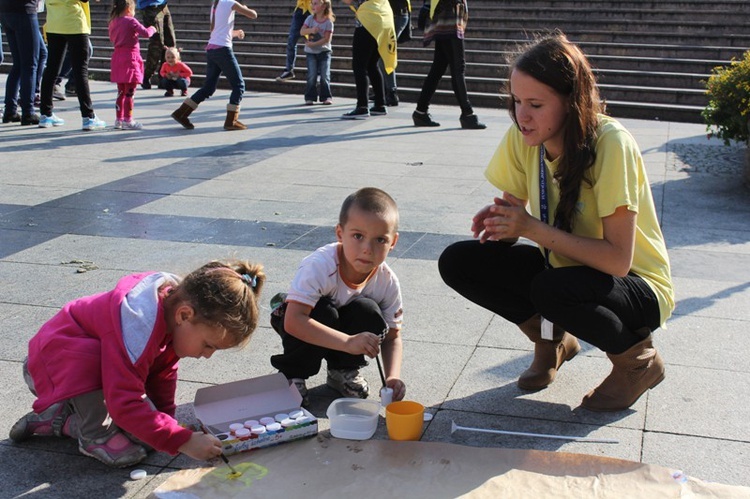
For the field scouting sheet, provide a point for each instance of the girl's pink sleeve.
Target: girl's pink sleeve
(143, 31)
(185, 71)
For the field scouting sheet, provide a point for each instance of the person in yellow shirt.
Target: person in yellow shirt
(573, 182)
(301, 11)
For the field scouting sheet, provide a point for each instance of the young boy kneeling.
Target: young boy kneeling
(345, 303)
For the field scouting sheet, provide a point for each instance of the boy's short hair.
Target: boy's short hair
(371, 200)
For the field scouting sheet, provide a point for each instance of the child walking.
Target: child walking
(174, 73)
(127, 64)
(318, 28)
(104, 368)
(345, 303)
(220, 59)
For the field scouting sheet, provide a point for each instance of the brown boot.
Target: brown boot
(231, 123)
(548, 355)
(181, 115)
(633, 372)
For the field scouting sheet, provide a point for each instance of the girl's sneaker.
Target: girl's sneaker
(117, 451)
(328, 101)
(93, 124)
(118, 124)
(47, 423)
(131, 125)
(51, 120)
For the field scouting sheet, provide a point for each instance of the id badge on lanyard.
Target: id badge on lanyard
(547, 327)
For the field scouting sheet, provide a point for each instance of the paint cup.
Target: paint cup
(386, 396)
(404, 419)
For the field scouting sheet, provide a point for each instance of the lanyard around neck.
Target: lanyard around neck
(543, 200)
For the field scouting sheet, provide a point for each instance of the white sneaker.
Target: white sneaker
(94, 124)
(131, 125)
(51, 120)
(118, 124)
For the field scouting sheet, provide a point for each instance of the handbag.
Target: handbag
(406, 33)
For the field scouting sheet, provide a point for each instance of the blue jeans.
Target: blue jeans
(221, 61)
(298, 19)
(24, 38)
(318, 65)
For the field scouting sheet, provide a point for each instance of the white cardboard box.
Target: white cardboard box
(216, 407)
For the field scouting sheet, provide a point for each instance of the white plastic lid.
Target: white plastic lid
(281, 417)
(235, 426)
(242, 432)
(258, 429)
(138, 474)
(267, 420)
(296, 414)
(251, 422)
(273, 427)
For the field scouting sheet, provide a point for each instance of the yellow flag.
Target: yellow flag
(377, 18)
(433, 5)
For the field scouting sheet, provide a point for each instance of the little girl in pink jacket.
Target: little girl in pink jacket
(127, 65)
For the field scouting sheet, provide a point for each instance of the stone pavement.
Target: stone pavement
(80, 209)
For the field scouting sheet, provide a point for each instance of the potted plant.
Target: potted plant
(728, 110)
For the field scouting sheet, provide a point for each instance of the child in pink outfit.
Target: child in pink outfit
(174, 73)
(127, 65)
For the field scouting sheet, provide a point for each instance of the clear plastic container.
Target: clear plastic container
(353, 419)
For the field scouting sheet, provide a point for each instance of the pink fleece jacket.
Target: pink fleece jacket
(81, 349)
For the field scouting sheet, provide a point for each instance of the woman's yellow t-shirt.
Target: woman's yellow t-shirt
(68, 17)
(618, 179)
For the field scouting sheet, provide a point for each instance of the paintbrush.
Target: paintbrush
(222, 456)
(380, 370)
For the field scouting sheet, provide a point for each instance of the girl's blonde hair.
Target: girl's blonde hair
(120, 6)
(225, 295)
(175, 51)
(328, 10)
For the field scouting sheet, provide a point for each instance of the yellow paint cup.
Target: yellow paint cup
(404, 419)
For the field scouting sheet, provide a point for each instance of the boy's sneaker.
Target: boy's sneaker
(117, 451)
(48, 423)
(285, 76)
(94, 124)
(359, 113)
(302, 388)
(378, 111)
(348, 382)
(131, 125)
(51, 120)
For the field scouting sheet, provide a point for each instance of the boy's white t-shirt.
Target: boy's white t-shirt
(318, 275)
(223, 21)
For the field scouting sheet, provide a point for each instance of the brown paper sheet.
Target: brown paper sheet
(328, 467)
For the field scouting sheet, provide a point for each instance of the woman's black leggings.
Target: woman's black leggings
(611, 313)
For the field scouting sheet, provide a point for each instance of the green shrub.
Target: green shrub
(728, 109)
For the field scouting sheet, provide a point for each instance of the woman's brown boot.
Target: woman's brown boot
(548, 354)
(181, 115)
(633, 372)
(232, 122)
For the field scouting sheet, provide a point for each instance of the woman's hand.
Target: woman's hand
(506, 218)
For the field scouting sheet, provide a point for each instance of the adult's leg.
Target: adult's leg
(153, 16)
(23, 39)
(373, 71)
(41, 64)
(362, 43)
(432, 80)
(13, 80)
(56, 47)
(611, 313)
(454, 52)
(298, 19)
(78, 45)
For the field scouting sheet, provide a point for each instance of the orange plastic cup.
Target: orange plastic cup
(404, 420)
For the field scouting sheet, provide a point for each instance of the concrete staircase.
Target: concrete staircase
(651, 57)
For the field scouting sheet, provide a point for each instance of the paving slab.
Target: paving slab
(80, 209)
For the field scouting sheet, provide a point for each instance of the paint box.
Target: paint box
(217, 407)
